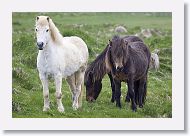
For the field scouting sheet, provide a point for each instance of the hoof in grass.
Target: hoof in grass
(60, 109)
(45, 109)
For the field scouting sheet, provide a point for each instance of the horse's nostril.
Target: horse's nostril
(40, 45)
(119, 68)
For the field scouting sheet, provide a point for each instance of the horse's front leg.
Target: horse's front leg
(113, 87)
(117, 92)
(44, 80)
(132, 94)
(127, 98)
(58, 94)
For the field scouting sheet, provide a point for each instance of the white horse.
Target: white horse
(60, 57)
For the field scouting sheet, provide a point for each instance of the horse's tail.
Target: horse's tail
(144, 92)
(81, 94)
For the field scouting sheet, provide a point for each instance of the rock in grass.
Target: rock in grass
(146, 33)
(154, 61)
(16, 106)
(120, 29)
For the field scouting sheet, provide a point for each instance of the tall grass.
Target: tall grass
(95, 29)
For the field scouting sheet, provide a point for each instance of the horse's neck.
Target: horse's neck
(47, 51)
(101, 69)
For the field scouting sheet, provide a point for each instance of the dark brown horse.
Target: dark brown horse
(128, 62)
(96, 71)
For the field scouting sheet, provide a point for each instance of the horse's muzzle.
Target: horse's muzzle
(119, 69)
(90, 99)
(40, 45)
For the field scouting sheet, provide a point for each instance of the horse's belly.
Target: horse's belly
(121, 76)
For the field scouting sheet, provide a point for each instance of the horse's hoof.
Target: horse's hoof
(127, 100)
(141, 106)
(112, 100)
(134, 110)
(60, 109)
(46, 109)
(75, 107)
(118, 105)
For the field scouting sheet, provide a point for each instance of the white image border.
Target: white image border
(174, 123)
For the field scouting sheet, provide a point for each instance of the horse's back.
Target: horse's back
(75, 55)
(140, 57)
(141, 47)
(79, 44)
(132, 38)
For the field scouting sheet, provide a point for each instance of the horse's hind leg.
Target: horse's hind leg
(132, 94)
(142, 89)
(136, 87)
(58, 94)
(44, 81)
(136, 90)
(78, 96)
(75, 82)
(71, 81)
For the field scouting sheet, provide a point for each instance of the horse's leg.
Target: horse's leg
(112, 86)
(142, 90)
(132, 94)
(136, 90)
(44, 80)
(117, 92)
(71, 82)
(78, 94)
(127, 99)
(58, 94)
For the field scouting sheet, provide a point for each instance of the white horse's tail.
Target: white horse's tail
(81, 94)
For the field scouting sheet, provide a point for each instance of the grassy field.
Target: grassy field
(95, 29)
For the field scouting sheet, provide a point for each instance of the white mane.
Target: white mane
(55, 34)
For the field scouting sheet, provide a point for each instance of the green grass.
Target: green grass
(95, 29)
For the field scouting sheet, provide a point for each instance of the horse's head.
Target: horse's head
(93, 87)
(117, 52)
(42, 29)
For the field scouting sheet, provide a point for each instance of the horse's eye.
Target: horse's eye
(47, 30)
(36, 29)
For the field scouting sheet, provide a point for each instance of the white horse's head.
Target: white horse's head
(42, 29)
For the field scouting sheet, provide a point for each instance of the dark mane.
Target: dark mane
(97, 68)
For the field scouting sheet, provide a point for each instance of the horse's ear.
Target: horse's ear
(129, 46)
(108, 59)
(124, 42)
(110, 43)
(48, 19)
(37, 18)
(109, 47)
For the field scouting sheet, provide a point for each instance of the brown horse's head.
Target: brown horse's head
(93, 76)
(93, 87)
(117, 53)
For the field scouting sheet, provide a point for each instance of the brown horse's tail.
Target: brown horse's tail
(144, 92)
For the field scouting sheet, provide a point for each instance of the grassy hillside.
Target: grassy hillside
(95, 29)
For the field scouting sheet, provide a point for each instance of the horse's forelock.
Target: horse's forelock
(42, 21)
(119, 49)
